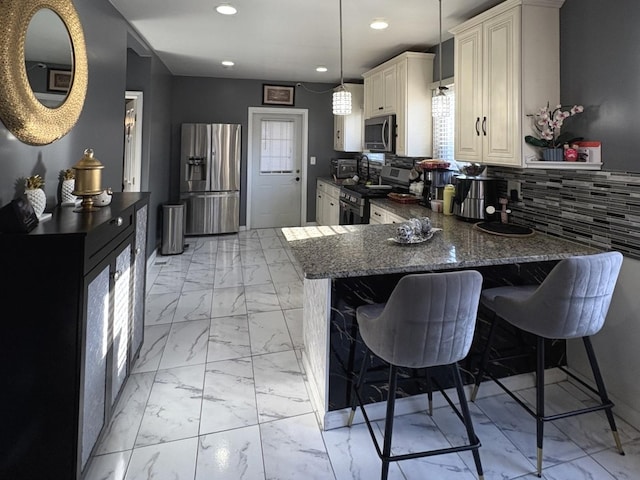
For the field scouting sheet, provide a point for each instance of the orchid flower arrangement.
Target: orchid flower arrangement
(549, 122)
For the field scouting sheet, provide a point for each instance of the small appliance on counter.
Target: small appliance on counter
(435, 175)
(472, 197)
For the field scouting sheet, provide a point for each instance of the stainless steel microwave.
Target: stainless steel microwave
(380, 134)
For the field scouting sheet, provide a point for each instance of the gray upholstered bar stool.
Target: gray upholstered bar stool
(572, 302)
(428, 321)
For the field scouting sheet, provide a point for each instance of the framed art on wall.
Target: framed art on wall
(59, 80)
(278, 95)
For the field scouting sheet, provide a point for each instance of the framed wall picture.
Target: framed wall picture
(278, 94)
(59, 80)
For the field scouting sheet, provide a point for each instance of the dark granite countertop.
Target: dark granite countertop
(358, 250)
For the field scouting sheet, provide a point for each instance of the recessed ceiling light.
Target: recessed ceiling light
(228, 63)
(321, 69)
(379, 24)
(226, 9)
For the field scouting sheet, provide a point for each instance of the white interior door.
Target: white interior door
(275, 169)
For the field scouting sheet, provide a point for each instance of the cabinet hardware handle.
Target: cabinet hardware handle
(484, 126)
(117, 274)
(380, 108)
(118, 221)
(138, 250)
(376, 213)
(477, 125)
(338, 134)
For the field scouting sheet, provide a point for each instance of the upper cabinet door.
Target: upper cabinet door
(468, 119)
(390, 89)
(501, 84)
(377, 94)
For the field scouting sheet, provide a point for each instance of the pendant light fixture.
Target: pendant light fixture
(341, 97)
(440, 105)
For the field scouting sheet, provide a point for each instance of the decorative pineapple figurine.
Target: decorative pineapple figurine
(35, 194)
(68, 184)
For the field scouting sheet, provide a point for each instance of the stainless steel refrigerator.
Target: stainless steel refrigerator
(210, 177)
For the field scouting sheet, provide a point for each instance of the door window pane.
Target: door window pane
(277, 149)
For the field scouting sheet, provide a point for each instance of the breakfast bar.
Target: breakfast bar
(346, 266)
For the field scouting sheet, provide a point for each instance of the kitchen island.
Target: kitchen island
(346, 266)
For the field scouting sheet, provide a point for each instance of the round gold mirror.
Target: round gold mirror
(31, 120)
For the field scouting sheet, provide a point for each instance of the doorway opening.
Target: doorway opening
(132, 158)
(276, 167)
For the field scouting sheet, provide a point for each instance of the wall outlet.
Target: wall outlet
(514, 190)
(312, 160)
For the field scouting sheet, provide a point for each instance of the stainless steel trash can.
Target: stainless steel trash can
(172, 228)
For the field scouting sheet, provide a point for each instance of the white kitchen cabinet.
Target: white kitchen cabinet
(327, 203)
(413, 115)
(377, 215)
(400, 86)
(380, 91)
(380, 215)
(347, 129)
(319, 206)
(507, 65)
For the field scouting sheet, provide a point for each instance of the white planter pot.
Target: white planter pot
(37, 199)
(66, 192)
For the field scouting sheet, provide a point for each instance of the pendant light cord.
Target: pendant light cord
(341, 73)
(439, 49)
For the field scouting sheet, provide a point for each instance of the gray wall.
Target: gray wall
(105, 34)
(217, 100)
(148, 75)
(447, 60)
(600, 69)
(100, 125)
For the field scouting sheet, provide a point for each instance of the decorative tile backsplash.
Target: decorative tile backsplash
(599, 209)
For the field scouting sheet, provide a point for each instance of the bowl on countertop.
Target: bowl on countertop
(472, 169)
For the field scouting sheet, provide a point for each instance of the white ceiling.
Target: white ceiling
(287, 39)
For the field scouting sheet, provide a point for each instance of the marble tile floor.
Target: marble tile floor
(219, 392)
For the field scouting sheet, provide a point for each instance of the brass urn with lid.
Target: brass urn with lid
(88, 180)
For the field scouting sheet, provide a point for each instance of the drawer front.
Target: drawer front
(377, 215)
(103, 239)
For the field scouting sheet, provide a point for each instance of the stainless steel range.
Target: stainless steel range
(354, 199)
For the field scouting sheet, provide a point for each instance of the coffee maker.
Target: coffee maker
(434, 182)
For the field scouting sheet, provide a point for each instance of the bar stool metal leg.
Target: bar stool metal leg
(388, 422)
(604, 398)
(357, 385)
(539, 401)
(485, 357)
(464, 407)
(429, 392)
